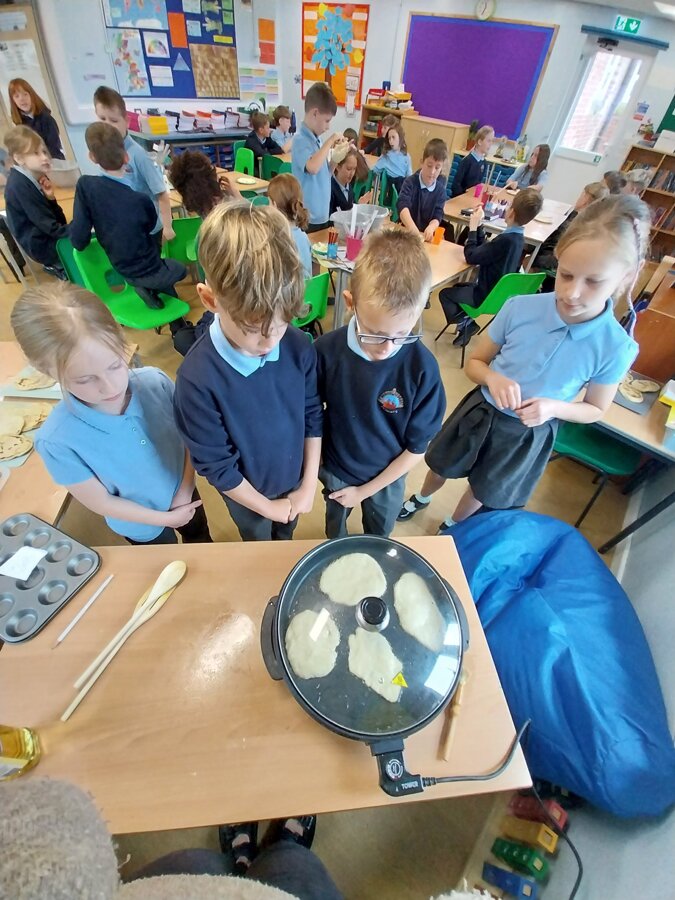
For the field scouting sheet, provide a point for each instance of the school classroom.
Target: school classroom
(354, 326)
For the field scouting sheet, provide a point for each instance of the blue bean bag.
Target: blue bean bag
(571, 656)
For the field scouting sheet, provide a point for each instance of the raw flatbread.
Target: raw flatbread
(12, 446)
(311, 641)
(630, 393)
(350, 578)
(373, 661)
(417, 611)
(34, 414)
(645, 385)
(33, 382)
(11, 423)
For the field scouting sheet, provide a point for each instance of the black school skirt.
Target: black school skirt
(502, 458)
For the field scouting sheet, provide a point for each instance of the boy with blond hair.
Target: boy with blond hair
(246, 398)
(141, 173)
(382, 390)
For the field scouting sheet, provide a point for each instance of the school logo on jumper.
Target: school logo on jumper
(391, 401)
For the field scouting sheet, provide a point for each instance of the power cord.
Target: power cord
(561, 833)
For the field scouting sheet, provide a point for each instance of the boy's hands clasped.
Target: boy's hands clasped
(506, 394)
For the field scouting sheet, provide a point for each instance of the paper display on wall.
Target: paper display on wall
(135, 14)
(334, 47)
(260, 81)
(18, 59)
(127, 56)
(156, 45)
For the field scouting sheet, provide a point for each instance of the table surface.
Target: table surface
(646, 432)
(535, 232)
(60, 193)
(30, 487)
(447, 259)
(186, 727)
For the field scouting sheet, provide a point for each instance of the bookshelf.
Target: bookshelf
(372, 115)
(659, 195)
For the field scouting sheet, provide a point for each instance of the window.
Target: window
(605, 95)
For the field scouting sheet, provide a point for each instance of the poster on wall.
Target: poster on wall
(18, 59)
(334, 48)
(128, 61)
(135, 14)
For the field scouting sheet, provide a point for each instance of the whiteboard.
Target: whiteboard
(74, 40)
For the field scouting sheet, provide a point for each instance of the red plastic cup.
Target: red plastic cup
(353, 248)
(439, 234)
(478, 190)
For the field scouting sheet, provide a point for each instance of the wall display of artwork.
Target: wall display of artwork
(173, 48)
(334, 48)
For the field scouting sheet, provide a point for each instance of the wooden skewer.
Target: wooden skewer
(453, 712)
(168, 577)
(86, 606)
(148, 614)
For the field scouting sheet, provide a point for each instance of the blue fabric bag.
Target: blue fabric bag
(572, 656)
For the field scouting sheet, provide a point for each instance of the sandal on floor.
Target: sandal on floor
(240, 844)
(298, 829)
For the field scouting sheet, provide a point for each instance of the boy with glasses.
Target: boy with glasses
(381, 388)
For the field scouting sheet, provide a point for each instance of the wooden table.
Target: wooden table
(655, 333)
(259, 187)
(447, 264)
(60, 193)
(535, 232)
(30, 487)
(644, 432)
(187, 728)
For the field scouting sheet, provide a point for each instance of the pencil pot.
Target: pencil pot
(368, 217)
(353, 248)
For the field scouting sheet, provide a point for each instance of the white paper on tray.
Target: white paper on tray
(22, 563)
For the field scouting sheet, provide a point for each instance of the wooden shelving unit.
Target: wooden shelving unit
(662, 202)
(372, 113)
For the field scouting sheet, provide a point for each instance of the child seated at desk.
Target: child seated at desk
(34, 217)
(140, 172)
(536, 356)
(472, 169)
(342, 183)
(395, 159)
(198, 183)
(422, 197)
(281, 133)
(501, 255)
(123, 220)
(246, 397)
(285, 193)
(259, 140)
(533, 173)
(112, 440)
(375, 146)
(381, 386)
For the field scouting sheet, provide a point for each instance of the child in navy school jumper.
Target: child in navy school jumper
(422, 197)
(376, 146)
(538, 353)
(28, 108)
(112, 440)
(140, 172)
(472, 169)
(259, 140)
(246, 398)
(395, 159)
(500, 256)
(34, 217)
(123, 220)
(381, 387)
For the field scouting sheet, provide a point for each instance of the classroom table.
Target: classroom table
(60, 194)
(190, 138)
(447, 265)
(186, 727)
(535, 232)
(29, 487)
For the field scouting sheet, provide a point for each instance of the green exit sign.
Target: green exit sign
(627, 24)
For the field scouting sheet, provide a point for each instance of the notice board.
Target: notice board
(462, 69)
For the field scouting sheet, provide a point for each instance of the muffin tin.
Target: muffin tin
(27, 606)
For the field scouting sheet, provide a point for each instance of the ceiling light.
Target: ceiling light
(666, 8)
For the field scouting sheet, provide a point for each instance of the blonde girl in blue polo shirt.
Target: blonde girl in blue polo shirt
(112, 441)
(537, 355)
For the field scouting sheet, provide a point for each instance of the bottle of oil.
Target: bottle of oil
(19, 751)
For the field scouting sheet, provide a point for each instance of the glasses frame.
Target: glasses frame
(379, 339)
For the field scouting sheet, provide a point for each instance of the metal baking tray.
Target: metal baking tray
(27, 606)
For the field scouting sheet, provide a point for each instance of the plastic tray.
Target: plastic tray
(27, 606)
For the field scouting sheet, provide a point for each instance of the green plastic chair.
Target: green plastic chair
(182, 246)
(125, 305)
(244, 161)
(272, 165)
(512, 285)
(260, 200)
(362, 187)
(316, 298)
(237, 145)
(599, 451)
(64, 251)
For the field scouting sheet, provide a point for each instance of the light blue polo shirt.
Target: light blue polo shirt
(280, 138)
(394, 163)
(144, 175)
(245, 365)
(427, 187)
(548, 357)
(138, 455)
(315, 188)
(304, 249)
(523, 176)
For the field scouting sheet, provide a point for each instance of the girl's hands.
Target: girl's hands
(505, 392)
(536, 411)
(47, 187)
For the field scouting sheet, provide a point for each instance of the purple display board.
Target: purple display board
(463, 69)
